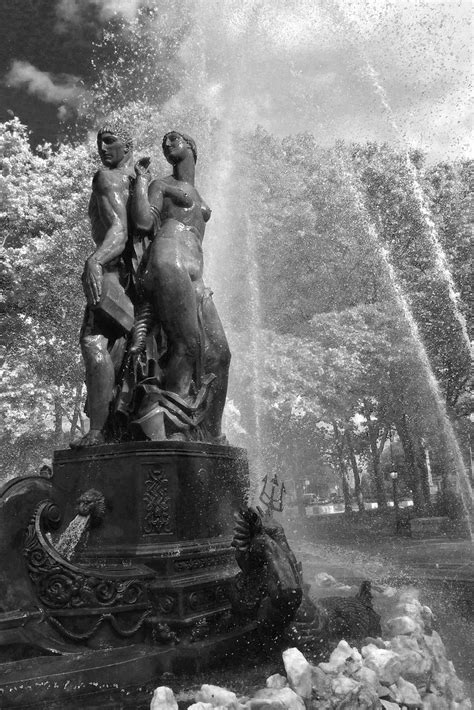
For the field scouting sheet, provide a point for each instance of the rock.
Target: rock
(367, 699)
(324, 580)
(342, 656)
(441, 671)
(388, 705)
(217, 696)
(321, 683)
(276, 699)
(435, 645)
(454, 685)
(394, 694)
(409, 608)
(379, 642)
(298, 672)
(163, 699)
(401, 625)
(415, 662)
(384, 662)
(201, 706)
(276, 681)
(265, 704)
(434, 702)
(342, 686)
(409, 594)
(368, 678)
(409, 694)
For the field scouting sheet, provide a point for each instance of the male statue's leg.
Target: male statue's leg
(100, 378)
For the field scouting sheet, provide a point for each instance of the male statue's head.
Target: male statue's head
(115, 145)
(176, 146)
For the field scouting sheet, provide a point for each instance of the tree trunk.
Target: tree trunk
(355, 471)
(300, 500)
(58, 421)
(341, 464)
(401, 423)
(376, 449)
(420, 460)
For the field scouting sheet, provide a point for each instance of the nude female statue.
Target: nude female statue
(173, 212)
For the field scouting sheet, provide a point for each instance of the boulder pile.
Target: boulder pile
(408, 669)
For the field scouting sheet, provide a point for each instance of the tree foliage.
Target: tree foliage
(326, 362)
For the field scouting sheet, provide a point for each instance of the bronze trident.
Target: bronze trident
(272, 494)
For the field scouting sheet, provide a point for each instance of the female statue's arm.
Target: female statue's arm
(140, 209)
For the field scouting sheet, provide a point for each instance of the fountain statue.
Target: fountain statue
(125, 557)
(155, 352)
(129, 545)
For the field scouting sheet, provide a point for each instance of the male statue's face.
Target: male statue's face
(175, 148)
(112, 149)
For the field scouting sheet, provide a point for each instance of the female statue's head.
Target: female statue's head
(176, 145)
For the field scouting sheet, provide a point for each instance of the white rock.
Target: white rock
(163, 699)
(395, 695)
(389, 592)
(324, 580)
(265, 704)
(411, 608)
(276, 681)
(217, 696)
(410, 595)
(368, 678)
(403, 625)
(427, 617)
(454, 685)
(338, 658)
(409, 694)
(298, 672)
(201, 706)
(434, 702)
(321, 682)
(416, 663)
(276, 699)
(388, 705)
(384, 662)
(342, 685)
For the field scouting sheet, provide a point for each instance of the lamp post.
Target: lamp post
(394, 477)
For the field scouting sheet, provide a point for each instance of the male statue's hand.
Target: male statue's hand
(92, 281)
(141, 168)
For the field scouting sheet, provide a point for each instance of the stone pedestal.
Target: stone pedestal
(158, 567)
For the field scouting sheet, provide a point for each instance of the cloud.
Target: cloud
(68, 92)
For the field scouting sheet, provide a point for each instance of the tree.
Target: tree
(45, 239)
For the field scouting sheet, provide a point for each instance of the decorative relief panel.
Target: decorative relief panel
(156, 505)
(201, 563)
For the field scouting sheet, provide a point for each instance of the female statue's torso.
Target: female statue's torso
(183, 216)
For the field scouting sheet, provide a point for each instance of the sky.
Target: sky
(378, 70)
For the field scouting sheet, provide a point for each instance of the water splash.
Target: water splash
(231, 263)
(457, 476)
(438, 254)
(73, 537)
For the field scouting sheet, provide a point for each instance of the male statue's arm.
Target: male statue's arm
(113, 215)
